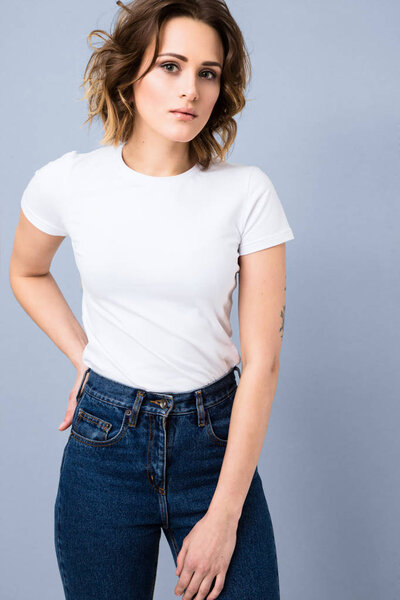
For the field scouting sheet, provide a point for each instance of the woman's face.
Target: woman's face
(184, 82)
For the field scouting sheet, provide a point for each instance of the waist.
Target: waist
(123, 395)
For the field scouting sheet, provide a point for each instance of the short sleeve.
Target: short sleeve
(43, 200)
(264, 223)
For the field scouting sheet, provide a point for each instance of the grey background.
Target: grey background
(323, 121)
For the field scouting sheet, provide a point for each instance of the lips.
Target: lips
(185, 112)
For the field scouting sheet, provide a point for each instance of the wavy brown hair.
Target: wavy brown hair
(112, 68)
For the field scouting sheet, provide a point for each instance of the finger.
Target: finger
(204, 587)
(218, 587)
(184, 581)
(193, 587)
(180, 559)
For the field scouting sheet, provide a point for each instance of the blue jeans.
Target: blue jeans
(137, 462)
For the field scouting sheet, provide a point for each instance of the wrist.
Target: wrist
(79, 364)
(225, 510)
(77, 361)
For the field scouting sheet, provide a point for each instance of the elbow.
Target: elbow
(266, 366)
(274, 364)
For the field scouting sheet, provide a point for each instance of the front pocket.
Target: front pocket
(99, 422)
(90, 426)
(218, 418)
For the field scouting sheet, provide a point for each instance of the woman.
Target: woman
(160, 225)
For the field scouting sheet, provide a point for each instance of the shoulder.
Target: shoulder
(238, 176)
(259, 180)
(252, 174)
(57, 167)
(248, 183)
(228, 168)
(71, 161)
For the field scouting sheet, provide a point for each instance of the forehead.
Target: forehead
(194, 39)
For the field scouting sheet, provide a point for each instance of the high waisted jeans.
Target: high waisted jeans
(138, 462)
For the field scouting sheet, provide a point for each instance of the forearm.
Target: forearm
(248, 425)
(42, 299)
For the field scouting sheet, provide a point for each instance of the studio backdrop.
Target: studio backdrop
(322, 120)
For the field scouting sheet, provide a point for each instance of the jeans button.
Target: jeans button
(163, 403)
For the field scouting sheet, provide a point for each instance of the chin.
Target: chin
(182, 138)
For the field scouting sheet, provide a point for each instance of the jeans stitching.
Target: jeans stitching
(212, 434)
(102, 398)
(82, 414)
(101, 443)
(170, 535)
(174, 543)
(62, 570)
(161, 490)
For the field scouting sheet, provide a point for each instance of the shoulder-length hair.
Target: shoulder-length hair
(112, 67)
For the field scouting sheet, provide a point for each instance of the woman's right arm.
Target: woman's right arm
(39, 295)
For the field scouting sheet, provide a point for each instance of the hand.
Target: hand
(205, 554)
(72, 398)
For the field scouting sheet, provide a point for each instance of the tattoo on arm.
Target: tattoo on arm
(283, 317)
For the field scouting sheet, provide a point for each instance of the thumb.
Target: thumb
(67, 419)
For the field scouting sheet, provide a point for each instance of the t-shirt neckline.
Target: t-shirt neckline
(138, 176)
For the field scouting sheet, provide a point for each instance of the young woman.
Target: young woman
(160, 225)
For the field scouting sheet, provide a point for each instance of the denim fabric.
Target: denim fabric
(138, 462)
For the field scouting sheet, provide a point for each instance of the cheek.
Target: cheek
(208, 102)
(149, 95)
(211, 96)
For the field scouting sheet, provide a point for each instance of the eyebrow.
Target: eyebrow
(208, 63)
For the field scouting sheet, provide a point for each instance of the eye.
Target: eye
(168, 65)
(213, 75)
(164, 65)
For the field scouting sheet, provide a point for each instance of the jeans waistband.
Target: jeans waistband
(117, 393)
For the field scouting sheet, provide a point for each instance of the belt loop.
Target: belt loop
(236, 368)
(136, 408)
(80, 391)
(200, 408)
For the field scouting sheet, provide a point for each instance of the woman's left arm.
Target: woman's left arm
(262, 291)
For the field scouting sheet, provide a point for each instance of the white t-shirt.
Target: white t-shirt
(158, 258)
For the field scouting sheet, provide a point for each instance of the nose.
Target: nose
(190, 87)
